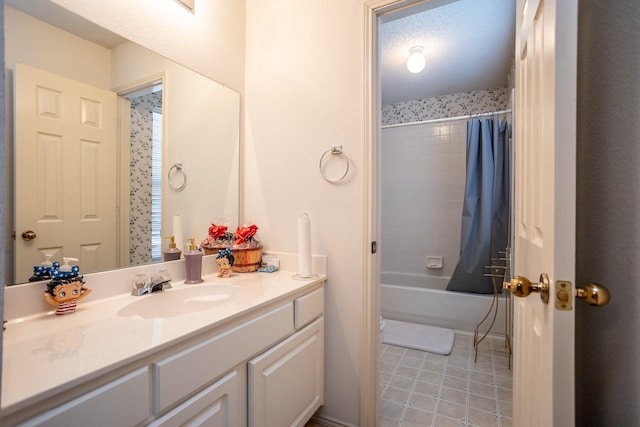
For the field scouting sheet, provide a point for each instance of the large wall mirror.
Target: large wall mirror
(114, 146)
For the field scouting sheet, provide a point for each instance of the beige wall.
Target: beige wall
(201, 131)
(29, 40)
(303, 94)
(210, 40)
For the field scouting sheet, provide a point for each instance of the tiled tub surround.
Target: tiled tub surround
(45, 354)
(422, 389)
(422, 180)
(423, 176)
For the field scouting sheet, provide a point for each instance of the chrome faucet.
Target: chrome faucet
(160, 281)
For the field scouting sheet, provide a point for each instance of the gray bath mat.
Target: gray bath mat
(419, 337)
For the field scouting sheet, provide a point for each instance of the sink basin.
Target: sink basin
(178, 302)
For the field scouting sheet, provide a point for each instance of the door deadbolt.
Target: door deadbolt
(522, 287)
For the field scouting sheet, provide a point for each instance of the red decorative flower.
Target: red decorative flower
(216, 231)
(217, 236)
(243, 234)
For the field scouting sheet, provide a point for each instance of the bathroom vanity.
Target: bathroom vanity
(245, 350)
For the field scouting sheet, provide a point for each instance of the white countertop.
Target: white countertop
(45, 353)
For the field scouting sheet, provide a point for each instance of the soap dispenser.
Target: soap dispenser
(47, 263)
(172, 252)
(193, 263)
(43, 271)
(66, 270)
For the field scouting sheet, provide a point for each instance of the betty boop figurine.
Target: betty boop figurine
(225, 261)
(64, 293)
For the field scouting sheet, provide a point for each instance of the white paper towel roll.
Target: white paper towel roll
(177, 231)
(304, 246)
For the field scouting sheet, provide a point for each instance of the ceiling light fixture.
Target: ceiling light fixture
(416, 61)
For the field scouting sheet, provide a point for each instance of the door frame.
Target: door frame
(370, 337)
(369, 383)
(123, 145)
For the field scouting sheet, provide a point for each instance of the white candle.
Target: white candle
(177, 231)
(304, 246)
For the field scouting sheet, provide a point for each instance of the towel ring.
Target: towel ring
(177, 177)
(336, 150)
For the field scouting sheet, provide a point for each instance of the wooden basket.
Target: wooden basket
(213, 250)
(246, 260)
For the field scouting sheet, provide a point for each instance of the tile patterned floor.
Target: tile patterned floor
(424, 389)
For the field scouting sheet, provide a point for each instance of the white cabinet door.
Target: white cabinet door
(286, 383)
(179, 375)
(222, 404)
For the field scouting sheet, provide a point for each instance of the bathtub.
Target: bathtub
(423, 299)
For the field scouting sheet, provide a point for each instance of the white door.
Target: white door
(544, 228)
(65, 176)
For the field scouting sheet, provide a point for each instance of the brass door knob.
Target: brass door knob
(28, 235)
(522, 287)
(594, 294)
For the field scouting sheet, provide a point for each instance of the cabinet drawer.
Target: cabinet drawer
(187, 371)
(123, 402)
(308, 308)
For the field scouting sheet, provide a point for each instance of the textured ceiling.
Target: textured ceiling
(468, 45)
(68, 21)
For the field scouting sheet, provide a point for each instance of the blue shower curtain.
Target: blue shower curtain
(485, 213)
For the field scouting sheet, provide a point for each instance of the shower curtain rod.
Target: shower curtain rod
(447, 119)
